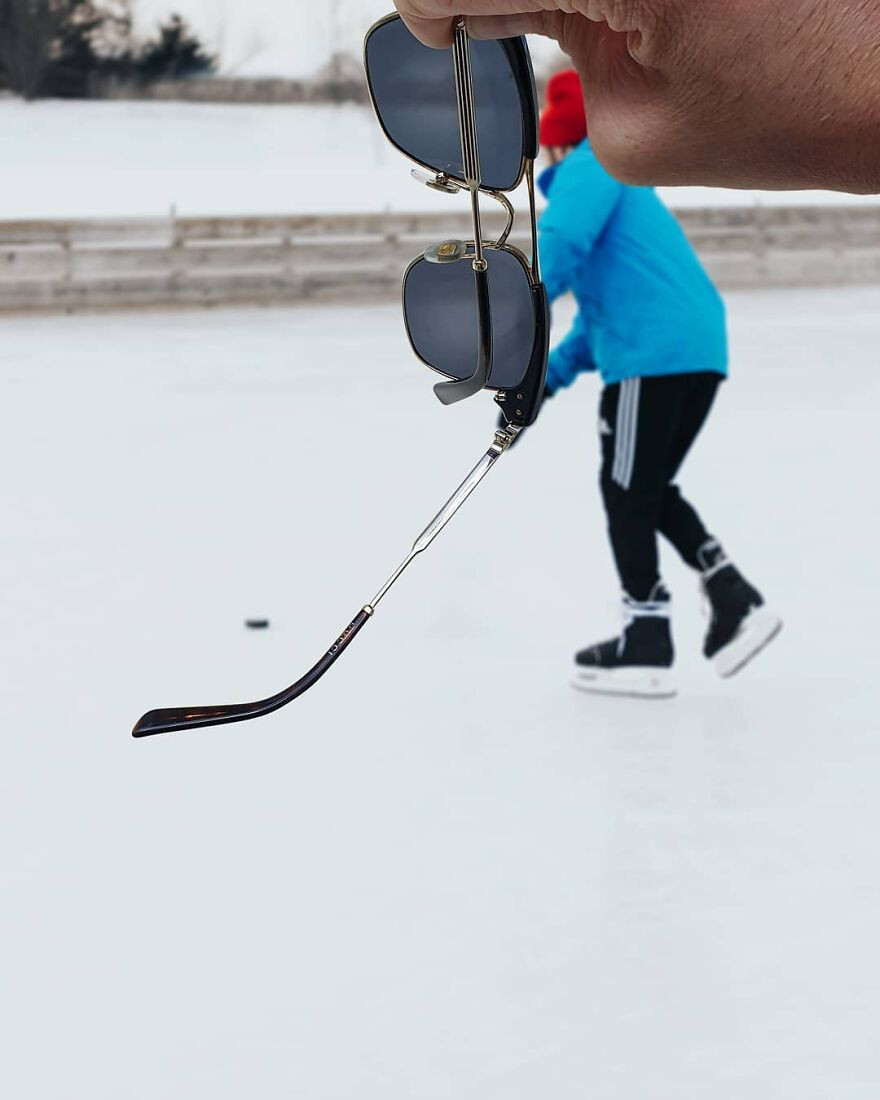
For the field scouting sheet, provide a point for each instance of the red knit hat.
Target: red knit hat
(564, 119)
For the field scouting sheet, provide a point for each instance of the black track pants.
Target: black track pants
(647, 427)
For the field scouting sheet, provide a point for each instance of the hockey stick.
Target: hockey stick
(185, 718)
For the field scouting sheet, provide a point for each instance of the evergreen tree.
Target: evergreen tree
(61, 47)
(174, 54)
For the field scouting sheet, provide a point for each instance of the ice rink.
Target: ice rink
(440, 874)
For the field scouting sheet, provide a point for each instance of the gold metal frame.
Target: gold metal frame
(475, 248)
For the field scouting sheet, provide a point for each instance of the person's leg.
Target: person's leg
(679, 522)
(639, 423)
(740, 623)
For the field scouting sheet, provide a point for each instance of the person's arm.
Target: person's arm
(730, 93)
(570, 357)
(580, 206)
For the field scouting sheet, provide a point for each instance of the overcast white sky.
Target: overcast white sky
(298, 34)
(241, 28)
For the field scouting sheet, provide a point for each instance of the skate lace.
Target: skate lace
(716, 568)
(636, 609)
(705, 577)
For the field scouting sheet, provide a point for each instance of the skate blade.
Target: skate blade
(633, 683)
(755, 634)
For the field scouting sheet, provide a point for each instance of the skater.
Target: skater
(652, 324)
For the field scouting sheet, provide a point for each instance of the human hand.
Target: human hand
(735, 93)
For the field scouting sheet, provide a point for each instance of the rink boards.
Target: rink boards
(145, 262)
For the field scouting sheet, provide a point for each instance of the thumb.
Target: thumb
(433, 32)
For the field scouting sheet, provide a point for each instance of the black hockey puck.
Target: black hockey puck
(257, 624)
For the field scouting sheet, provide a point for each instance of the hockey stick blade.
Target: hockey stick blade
(187, 718)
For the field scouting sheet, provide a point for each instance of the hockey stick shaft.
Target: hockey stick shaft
(168, 720)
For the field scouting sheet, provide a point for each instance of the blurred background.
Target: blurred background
(440, 873)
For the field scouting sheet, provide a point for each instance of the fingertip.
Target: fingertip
(436, 33)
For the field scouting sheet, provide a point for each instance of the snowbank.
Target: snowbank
(64, 159)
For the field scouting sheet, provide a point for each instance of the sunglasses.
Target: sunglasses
(475, 311)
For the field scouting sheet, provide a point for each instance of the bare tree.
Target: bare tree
(58, 47)
(28, 30)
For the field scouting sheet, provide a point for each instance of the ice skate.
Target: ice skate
(741, 624)
(639, 662)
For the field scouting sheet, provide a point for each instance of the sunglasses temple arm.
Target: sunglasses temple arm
(451, 392)
(533, 221)
(186, 718)
(503, 439)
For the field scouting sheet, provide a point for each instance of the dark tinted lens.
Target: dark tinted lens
(440, 304)
(414, 90)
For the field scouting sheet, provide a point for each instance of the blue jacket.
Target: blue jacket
(645, 304)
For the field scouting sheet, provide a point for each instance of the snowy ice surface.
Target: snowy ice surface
(441, 873)
(105, 159)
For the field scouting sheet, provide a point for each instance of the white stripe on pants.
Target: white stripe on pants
(626, 432)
